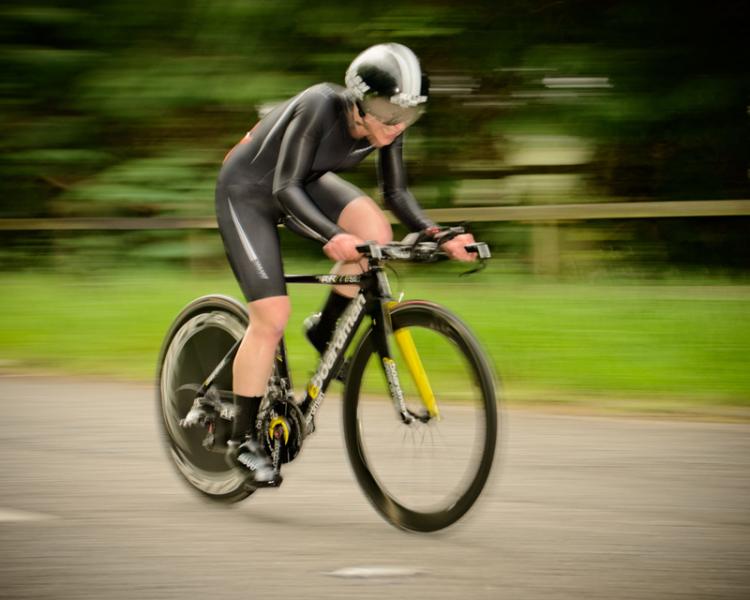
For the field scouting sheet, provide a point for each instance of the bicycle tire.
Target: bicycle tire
(434, 328)
(197, 340)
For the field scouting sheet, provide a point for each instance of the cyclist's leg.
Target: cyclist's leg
(247, 224)
(356, 213)
(248, 228)
(254, 361)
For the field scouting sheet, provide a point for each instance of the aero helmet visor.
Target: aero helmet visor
(389, 113)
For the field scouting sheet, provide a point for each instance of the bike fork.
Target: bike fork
(408, 350)
(405, 343)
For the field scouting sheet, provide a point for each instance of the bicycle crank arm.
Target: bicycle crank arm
(280, 436)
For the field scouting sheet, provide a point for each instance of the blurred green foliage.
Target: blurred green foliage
(126, 107)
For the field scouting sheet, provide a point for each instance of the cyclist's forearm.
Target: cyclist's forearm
(396, 194)
(407, 210)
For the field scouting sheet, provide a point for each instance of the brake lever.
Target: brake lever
(483, 252)
(480, 248)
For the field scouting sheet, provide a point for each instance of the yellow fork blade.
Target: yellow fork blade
(405, 342)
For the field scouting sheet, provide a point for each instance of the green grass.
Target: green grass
(677, 346)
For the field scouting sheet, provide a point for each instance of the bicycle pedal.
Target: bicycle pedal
(251, 484)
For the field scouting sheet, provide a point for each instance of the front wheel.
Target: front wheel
(201, 335)
(424, 475)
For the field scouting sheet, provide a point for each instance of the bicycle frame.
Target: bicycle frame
(375, 300)
(215, 449)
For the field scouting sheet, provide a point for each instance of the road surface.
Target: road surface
(578, 507)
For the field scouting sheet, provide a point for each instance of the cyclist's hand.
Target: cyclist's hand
(343, 246)
(455, 248)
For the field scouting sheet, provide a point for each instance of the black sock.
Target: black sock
(245, 420)
(334, 307)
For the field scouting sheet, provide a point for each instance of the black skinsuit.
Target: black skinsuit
(283, 171)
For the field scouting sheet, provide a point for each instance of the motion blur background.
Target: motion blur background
(123, 108)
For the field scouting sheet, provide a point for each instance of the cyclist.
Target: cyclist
(283, 170)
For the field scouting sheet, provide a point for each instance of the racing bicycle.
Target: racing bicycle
(420, 412)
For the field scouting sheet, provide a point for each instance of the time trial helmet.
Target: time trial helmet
(387, 82)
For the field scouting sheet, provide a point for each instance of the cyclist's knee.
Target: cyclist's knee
(363, 218)
(380, 231)
(269, 317)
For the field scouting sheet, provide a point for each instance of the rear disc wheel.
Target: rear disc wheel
(199, 338)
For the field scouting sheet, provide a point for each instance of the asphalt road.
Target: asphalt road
(579, 507)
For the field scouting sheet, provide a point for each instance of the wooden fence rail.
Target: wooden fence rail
(540, 213)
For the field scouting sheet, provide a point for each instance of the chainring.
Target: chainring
(285, 417)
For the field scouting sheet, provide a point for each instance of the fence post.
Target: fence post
(545, 248)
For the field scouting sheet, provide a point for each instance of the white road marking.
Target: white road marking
(12, 515)
(376, 572)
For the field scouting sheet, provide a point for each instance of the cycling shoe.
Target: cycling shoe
(250, 457)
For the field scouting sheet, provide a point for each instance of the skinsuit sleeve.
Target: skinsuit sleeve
(396, 195)
(298, 146)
